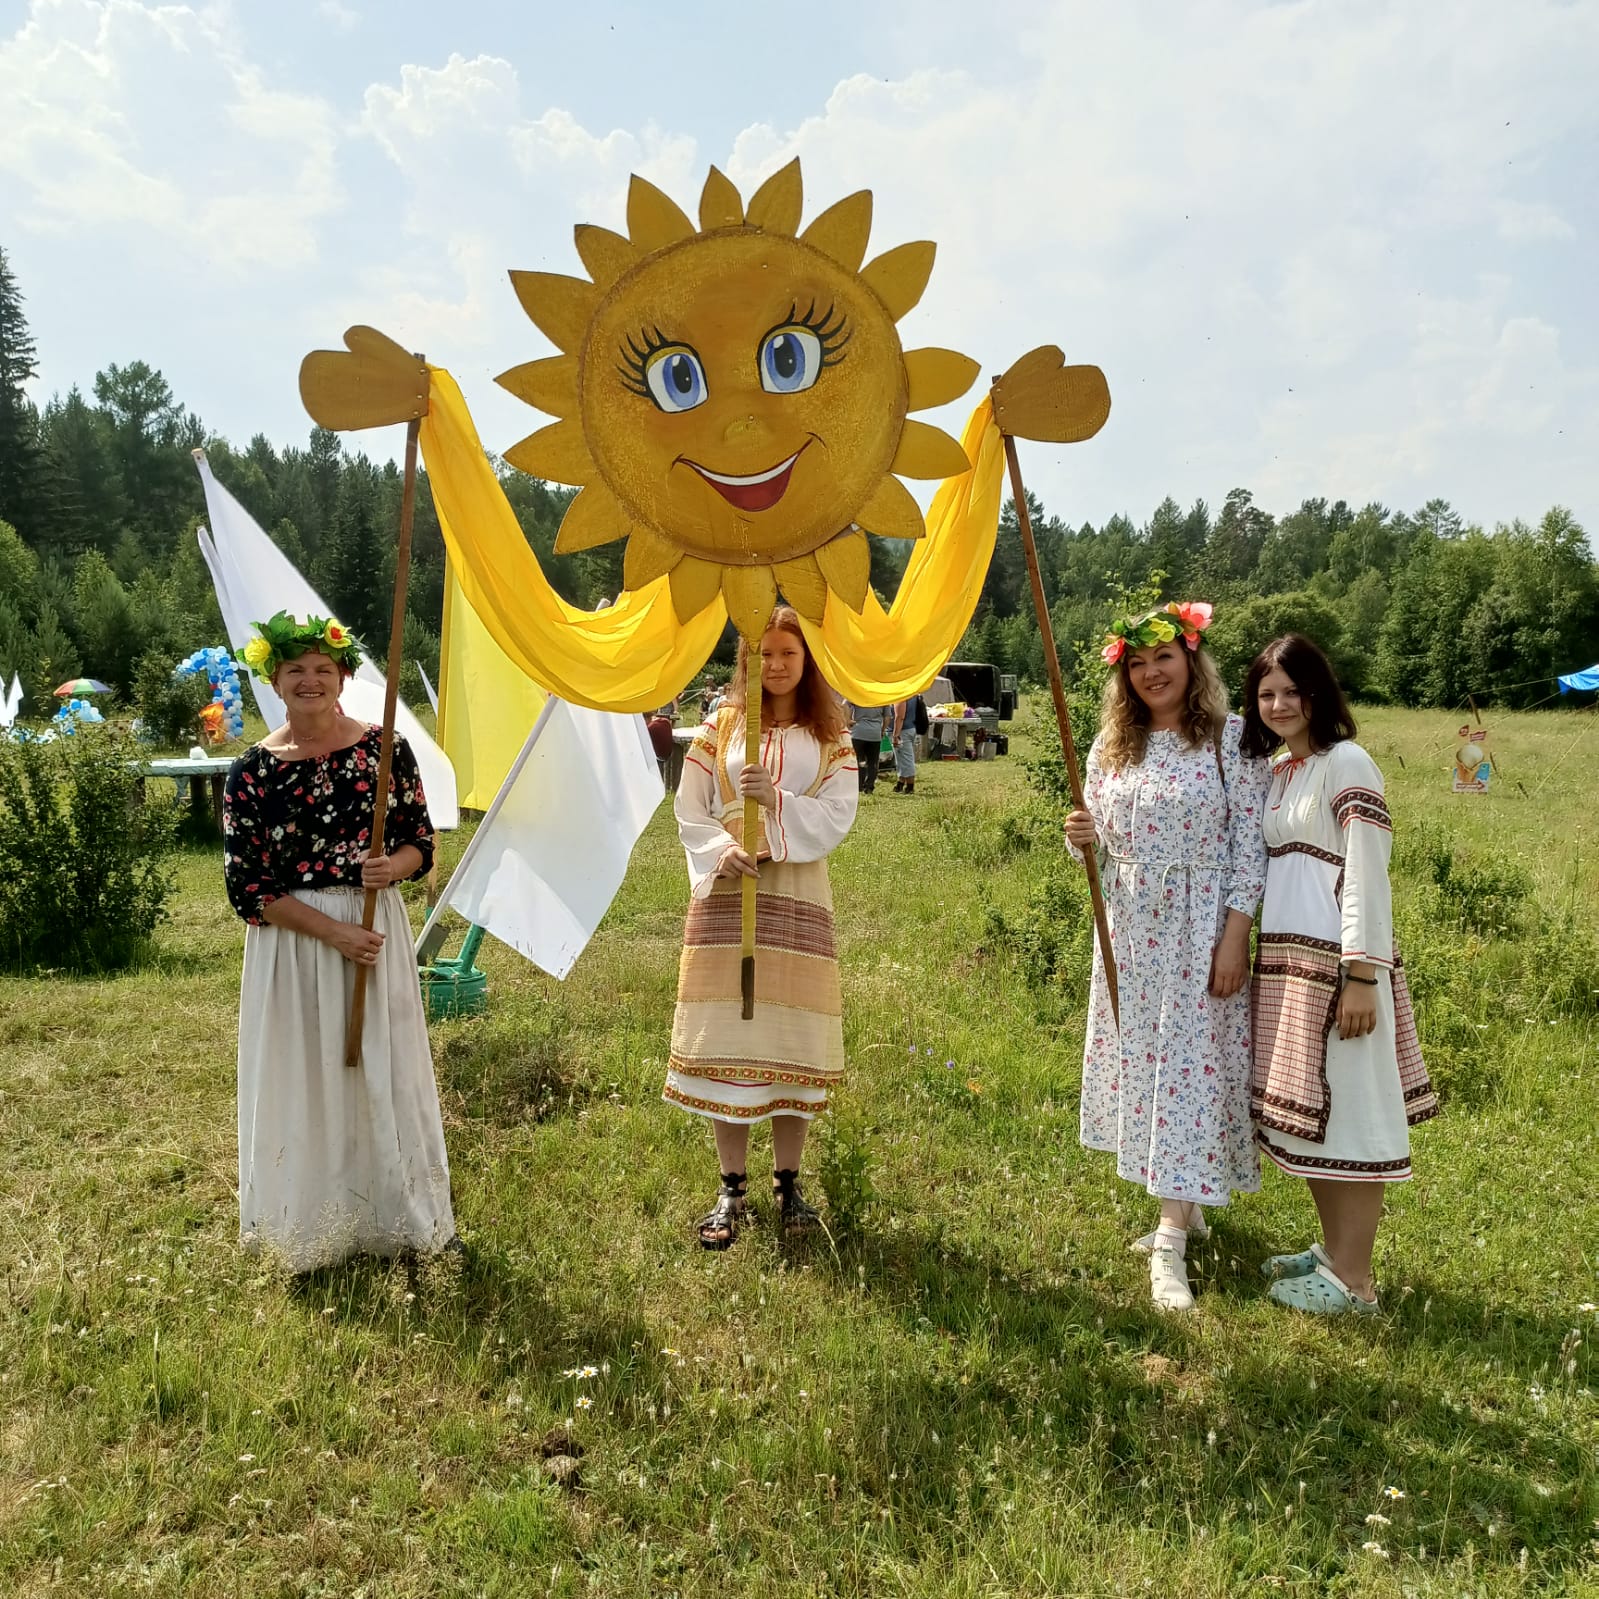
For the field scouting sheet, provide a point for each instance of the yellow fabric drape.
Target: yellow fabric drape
(880, 657)
(633, 657)
(637, 655)
(487, 703)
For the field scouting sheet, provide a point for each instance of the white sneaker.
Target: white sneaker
(1168, 1274)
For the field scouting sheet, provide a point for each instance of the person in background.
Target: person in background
(1173, 810)
(1339, 1079)
(905, 745)
(869, 725)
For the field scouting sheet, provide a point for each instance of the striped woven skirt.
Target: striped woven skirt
(784, 1060)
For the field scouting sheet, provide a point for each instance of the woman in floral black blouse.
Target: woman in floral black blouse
(332, 1161)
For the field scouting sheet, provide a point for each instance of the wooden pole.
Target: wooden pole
(752, 825)
(391, 695)
(1062, 715)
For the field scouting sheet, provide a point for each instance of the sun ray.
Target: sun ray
(549, 385)
(606, 255)
(803, 586)
(750, 592)
(928, 452)
(593, 518)
(559, 307)
(938, 376)
(841, 231)
(892, 512)
(647, 557)
(654, 220)
(557, 454)
(899, 276)
(775, 207)
(846, 563)
(721, 205)
(695, 583)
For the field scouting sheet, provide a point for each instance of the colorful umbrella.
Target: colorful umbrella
(83, 685)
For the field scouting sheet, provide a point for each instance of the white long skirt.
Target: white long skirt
(335, 1160)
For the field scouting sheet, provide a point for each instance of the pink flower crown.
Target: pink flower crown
(1189, 618)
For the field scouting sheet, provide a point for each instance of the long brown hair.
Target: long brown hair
(1321, 697)
(816, 707)
(1124, 718)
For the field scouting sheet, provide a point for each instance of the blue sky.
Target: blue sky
(1318, 249)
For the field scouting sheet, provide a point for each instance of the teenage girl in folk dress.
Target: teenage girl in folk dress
(779, 1066)
(1338, 1079)
(1173, 808)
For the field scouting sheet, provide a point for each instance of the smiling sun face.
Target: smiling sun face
(733, 400)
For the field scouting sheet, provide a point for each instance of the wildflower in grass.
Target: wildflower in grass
(669, 1352)
(1587, 1306)
(244, 1460)
(949, 1065)
(1372, 1547)
(1377, 1519)
(973, 1084)
(583, 1402)
(588, 1371)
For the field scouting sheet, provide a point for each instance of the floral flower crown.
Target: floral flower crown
(281, 638)
(1189, 618)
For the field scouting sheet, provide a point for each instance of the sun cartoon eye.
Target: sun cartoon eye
(675, 379)
(663, 371)
(790, 360)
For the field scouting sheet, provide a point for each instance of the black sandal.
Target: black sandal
(794, 1215)
(719, 1226)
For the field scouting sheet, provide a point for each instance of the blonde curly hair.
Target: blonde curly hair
(1124, 718)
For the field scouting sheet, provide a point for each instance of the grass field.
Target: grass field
(965, 1392)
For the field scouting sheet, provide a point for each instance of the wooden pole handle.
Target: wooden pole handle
(391, 697)
(1063, 719)
(752, 830)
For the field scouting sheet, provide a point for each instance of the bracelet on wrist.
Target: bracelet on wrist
(1370, 982)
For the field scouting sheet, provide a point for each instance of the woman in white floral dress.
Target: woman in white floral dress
(1174, 812)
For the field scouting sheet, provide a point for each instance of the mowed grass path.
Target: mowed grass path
(965, 1394)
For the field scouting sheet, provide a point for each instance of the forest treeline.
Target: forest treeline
(99, 567)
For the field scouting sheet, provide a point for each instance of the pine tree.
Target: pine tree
(19, 424)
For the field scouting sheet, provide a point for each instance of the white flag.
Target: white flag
(433, 698)
(254, 579)
(12, 702)
(552, 849)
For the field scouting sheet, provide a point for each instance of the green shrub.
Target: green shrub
(1477, 895)
(845, 1170)
(83, 877)
(169, 706)
(1052, 938)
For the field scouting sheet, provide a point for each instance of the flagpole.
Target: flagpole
(391, 694)
(1063, 718)
(752, 827)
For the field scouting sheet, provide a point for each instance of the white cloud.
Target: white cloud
(133, 121)
(1317, 249)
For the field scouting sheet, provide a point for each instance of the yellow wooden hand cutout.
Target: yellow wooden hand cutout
(370, 383)
(1040, 397)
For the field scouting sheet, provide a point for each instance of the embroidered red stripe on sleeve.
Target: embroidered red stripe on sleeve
(1361, 805)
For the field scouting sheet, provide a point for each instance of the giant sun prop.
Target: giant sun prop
(733, 400)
